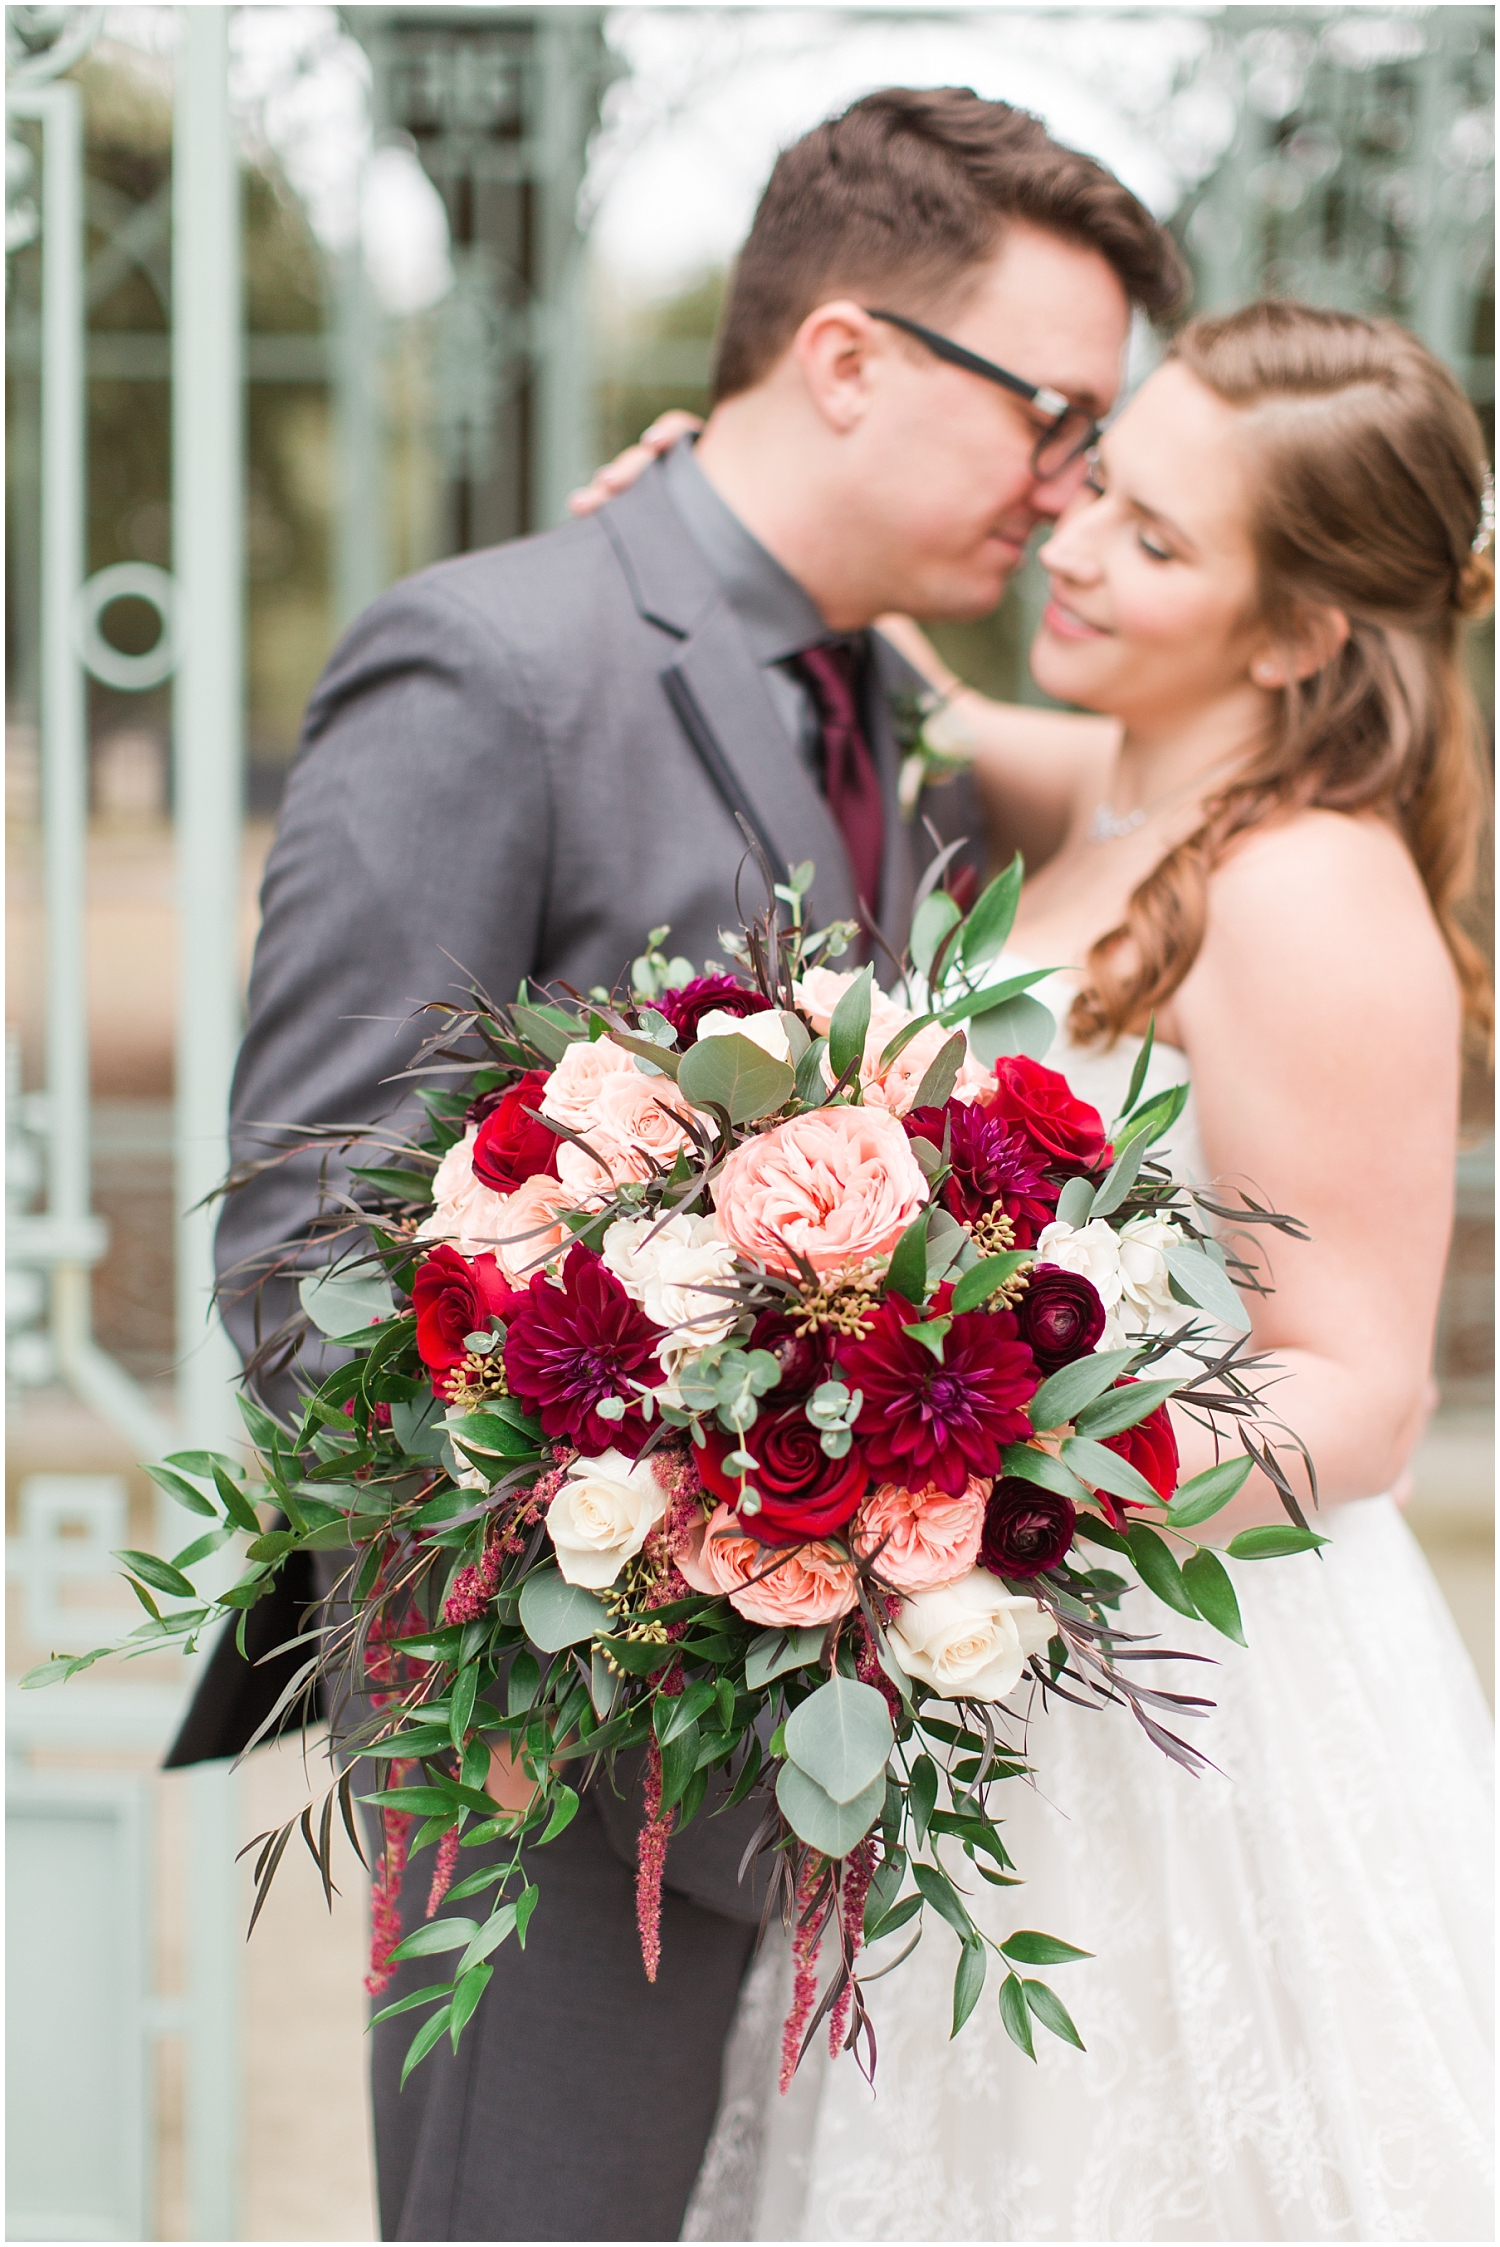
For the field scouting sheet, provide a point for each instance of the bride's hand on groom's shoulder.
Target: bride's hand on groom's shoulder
(619, 474)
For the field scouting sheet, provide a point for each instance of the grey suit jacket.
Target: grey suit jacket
(514, 765)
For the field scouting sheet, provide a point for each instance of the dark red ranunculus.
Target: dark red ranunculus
(685, 1007)
(804, 1359)
(1066, 1130)
(926, 1420)
(1060, 1316)
(452, 1296)
(803, 1493)
(1151, 1448)
(512, 1146)
(995, 1165)
(570, 1348)
(1026, 1528)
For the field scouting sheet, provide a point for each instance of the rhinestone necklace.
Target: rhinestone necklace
(1111, 826)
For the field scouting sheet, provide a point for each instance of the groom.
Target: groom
(520, 759)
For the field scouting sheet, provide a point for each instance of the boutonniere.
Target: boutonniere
(936, 744)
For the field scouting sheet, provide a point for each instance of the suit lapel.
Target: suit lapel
(717, 691)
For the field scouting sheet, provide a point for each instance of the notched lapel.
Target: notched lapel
(719, 696)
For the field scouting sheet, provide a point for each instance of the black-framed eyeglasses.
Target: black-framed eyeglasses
(1070, 429)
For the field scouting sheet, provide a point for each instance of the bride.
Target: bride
(1268, 827)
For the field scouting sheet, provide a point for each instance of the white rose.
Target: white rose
(970, 1639)
(1091, 1249)
(768, 1031)
(602, 1516)
(671, 1270)
(1148, 1298)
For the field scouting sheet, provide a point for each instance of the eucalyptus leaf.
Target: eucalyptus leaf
(1157, 1568)
(1273, 1542)
(340, 1302)
(555, 1613)
(987, 929)
(1020, 1025)
(1212, 1593)
(850, 1025)
(1122, 1175)
(1203, 1282)
(735, 1074)
(1027, 1948)
(418, 1426)
(907, 1273)
(934, 917)
(1103, 1469)
(1200, 1499)
(539, 1029)
(1123, 1408)
(841, 1737)
(811, 1090)
(775, 1652)
(1063, 1395)
(832, 1827)
(977, 1286)
(942, 1074)
(968, 1980)
(1029, 1464)
(1075, 1204)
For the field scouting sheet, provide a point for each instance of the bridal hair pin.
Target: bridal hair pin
(1484, 537)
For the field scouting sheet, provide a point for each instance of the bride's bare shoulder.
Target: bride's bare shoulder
(1329, 889)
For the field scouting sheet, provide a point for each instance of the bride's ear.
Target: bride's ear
(1318, 634)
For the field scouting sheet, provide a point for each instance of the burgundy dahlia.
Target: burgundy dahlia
(512, 1146)
(685, 1007)
(930, 1421)
(994, 1165)
(570, 1348)
(1026, 1528)
(1060, 1316)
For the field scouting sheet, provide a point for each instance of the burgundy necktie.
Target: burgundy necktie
(850, 780)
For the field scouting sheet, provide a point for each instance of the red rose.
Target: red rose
(453, 1296)
(1151, 1448)
(1067, 1130)
(803, 1493)
(512, 1146)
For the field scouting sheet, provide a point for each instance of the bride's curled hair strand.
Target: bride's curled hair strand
(1370, 480)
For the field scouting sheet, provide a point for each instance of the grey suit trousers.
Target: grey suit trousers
(581, 2097)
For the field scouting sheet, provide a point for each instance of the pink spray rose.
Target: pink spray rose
(929, 1537)
(837, 1185)
(810, 1584)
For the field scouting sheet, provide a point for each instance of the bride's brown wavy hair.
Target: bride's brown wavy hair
(1369, 470)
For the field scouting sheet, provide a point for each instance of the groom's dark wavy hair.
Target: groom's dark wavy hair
(905, 196)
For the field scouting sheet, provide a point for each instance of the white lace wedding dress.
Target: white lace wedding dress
(1288, 2014)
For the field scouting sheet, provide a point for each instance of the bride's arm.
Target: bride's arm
(1037, 770)
(1322, 1023)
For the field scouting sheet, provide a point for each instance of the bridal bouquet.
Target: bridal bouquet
(754, 1375)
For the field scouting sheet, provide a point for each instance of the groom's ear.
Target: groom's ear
(835, 350)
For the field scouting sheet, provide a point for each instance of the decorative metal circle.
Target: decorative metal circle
(41, 43)
(126, 581)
